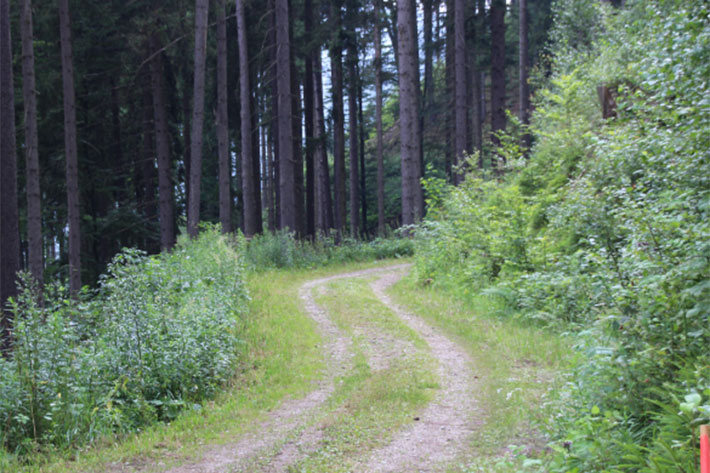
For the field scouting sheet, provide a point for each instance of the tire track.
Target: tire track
(257, 446)
(441, 429)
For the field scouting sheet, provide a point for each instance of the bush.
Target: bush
(160, 335)
(606, 231)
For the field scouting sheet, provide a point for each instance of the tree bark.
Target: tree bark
(287, 173)
(427, 7)
(297, 140)
(308, 105)
(361, 135)
(324, 201)
(9, 219)
(410, 126)
(70, 146)
(224, 177)
(273, 79)
(162, 147)
(497, 22)
(198, 116)
(148, 202)
(352, 60)
(461, 92)
(336, 68)
(252, 211)
(187, 129)
(524, 64)
(378, 123)
(450, 109)
(34, 212)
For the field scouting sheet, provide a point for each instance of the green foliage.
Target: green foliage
(161, 335)
(283, 250)
(605, 231)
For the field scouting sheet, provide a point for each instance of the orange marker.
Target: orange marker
(705, 449)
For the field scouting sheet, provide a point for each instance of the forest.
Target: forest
(168, 168)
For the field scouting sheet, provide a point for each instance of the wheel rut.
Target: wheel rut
(257, 447)
(292, 431)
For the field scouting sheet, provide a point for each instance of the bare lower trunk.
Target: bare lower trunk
(162, 147)
(352, 120)
(287, 182)
(225, 198)
(523, 63)
(72, 164)
(198, 116)
(378, 123)
(497, 21)
(324, 201)
(9, 220)
(427, 7)
(410, 126)
(252, 211)
(461, 90)
(338, 117)
(361, 135)
(34, 212)
(308, 105)
(450, 110)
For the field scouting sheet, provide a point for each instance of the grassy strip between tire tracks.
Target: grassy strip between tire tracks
(369, 404)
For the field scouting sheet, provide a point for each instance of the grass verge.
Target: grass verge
(519, 366)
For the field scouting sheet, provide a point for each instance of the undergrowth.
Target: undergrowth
(160, 335)
(603, 232)
(282, 250)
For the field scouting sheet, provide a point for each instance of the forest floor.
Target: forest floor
(368, 374)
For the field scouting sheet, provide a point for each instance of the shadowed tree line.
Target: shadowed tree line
(124, 124)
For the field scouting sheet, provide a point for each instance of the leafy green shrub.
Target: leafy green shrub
(161, 335)
(605, 231)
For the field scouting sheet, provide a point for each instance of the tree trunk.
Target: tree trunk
(410, 129)
(352, 60)
(198, 116)
(497, 21)
(34, 212)
(273, 73)
(461, 92)
(297, 140)
(287, 172)
(72, 161)
(255, 166)
(361, 134)
(225, 198)
(524, 63)
(308, 105)
(427, 6)
(118, 165)
(252, 211)
(162, 147)
(324, 201)
(378, 123)
(450, 109)
(187, 129)
(270, 203)
(148, 201)
(9, 220)
(336, 68)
